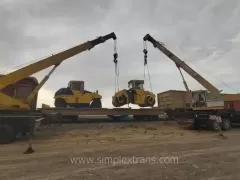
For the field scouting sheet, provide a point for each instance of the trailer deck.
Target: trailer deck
(101, 111)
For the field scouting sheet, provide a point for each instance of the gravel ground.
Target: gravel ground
(123, 151)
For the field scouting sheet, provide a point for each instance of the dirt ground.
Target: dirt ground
(106, 151)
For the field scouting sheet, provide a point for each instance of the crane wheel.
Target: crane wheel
(7, 134)
(96, 103)
(60, 103)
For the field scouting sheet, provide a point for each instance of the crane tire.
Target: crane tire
(7, 134)
(60, 103)
(96, 103)
(226, 124)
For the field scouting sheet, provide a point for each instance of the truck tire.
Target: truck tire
(226, 124)
(215, 125)
(7, 134)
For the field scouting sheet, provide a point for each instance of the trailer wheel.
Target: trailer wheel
(226, 124)
(7, 134)
(215, 126)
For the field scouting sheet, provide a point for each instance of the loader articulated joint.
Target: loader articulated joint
(149, 38)
(102, 39)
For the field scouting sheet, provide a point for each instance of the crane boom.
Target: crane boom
(182, 64)
(56, 59)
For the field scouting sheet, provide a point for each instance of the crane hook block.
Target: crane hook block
(145, 56)
(145, 51)
(115, 56)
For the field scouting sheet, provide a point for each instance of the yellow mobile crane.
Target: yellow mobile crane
(16, 115)
(207, 105)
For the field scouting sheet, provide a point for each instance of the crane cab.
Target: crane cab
(135, 94)
(205, 99)
(75, 95)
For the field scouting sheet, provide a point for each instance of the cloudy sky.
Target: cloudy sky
(205, 34)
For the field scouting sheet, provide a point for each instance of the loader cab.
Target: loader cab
(76, 85)
(72, 85)
(135, 84)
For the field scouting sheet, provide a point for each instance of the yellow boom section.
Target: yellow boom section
(13, 77)
(49, 61)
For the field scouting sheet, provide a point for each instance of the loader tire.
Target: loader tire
(60, 103)
(96, 103)
(123, 102)
(7, 134)
(149, 102)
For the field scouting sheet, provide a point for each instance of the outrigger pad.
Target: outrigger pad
(29, 150)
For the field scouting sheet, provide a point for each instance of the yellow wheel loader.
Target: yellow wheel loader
(134, 95)
(76, 97)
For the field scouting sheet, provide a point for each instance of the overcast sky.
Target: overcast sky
(203, 33)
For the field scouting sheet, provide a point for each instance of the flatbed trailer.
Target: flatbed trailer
(53, 114)
(101, 111)
(24, 122)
